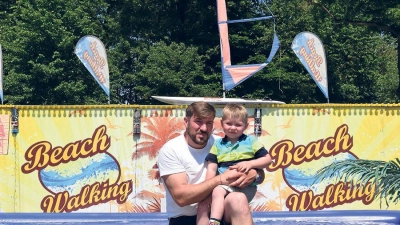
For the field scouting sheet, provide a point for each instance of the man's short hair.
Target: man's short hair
(200, 109)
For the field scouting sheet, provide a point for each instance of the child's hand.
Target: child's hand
(244, 166)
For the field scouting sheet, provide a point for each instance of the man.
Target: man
(182, 169)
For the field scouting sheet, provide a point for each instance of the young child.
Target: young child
(235, 148)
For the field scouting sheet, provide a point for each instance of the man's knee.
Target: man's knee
(236, 206)
(236, 200)
(203, 208)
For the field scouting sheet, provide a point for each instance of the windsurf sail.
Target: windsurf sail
(233, 75)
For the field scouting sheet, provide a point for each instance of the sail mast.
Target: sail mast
(233, 75)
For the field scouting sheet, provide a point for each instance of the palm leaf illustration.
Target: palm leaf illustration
(384, 175)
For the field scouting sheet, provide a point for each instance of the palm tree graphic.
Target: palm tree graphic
(385, 176)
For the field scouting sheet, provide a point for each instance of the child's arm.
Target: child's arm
(211, 172)
(259, 163)
(211, 169)
(211, 162)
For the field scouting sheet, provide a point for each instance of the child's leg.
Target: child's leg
(217, 204)
(203, 210)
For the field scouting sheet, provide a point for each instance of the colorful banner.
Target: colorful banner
(309, 49)
(1, 76)
(89, 159)
(92, 53)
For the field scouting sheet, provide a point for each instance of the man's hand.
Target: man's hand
(230, 176)
(239, 179)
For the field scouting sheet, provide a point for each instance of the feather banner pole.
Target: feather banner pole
(1, 76)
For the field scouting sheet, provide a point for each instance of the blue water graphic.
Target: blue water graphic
(302, 177)
(99, 168)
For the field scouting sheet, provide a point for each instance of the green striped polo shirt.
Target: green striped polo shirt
(225, 154)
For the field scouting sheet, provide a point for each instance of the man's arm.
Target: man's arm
(186, 194)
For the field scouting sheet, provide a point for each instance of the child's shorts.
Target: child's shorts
(249, 191)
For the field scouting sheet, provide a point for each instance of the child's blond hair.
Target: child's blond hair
(234, 111)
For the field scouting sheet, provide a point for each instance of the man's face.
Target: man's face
(198, 130)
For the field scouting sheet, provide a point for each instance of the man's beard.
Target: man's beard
(197, 141)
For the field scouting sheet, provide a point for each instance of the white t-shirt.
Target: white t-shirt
(176, 156)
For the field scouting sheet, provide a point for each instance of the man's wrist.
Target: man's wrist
(258, 178)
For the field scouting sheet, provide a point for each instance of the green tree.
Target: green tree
(38, 39)
(171, 70)
(39, 64)
(382, 17)
(354, 67)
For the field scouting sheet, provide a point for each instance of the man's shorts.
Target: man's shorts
(186, 220)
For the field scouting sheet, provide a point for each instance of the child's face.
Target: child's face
(233, 127)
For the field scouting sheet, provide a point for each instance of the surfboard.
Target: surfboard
(212, 100)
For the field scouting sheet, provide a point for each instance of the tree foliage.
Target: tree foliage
(380, 17)
(40, 66)
(172, 48)
(179, 67)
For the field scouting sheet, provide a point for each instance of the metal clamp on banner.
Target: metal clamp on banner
(257, 122)
(14, 121)
(136, 121)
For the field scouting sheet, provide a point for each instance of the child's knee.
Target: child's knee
(219, 191)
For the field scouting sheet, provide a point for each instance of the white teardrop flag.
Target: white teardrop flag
(90, 50)
(309, 49)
